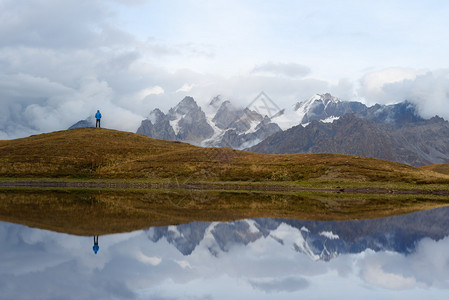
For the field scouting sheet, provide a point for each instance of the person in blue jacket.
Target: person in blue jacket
(98, 117)
(96, 247)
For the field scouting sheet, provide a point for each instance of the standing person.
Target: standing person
(98, 117)
(96, 247)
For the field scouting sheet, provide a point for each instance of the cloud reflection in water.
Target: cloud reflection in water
(248, 259)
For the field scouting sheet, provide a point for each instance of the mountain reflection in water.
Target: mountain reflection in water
(404, 257)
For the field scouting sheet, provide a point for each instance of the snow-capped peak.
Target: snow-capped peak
(316, 99)
(314, 104)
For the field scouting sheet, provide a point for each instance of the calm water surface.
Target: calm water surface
(404, 257)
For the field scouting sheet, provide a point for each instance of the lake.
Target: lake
(402, 257)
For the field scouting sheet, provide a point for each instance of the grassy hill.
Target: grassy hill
(439, 168)
(103, 153)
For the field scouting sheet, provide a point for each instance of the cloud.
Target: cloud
(55, 24)
(428, 90)
(373, 273)
(285, 69)
(59, 71)
(290, 284)
(61, 62)
(372, 85)
(185, 88)
(80, 56)
(425, 268)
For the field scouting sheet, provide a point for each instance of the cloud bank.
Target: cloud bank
(61, 61)
(429, 90)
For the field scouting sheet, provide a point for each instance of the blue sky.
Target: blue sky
(62, 60)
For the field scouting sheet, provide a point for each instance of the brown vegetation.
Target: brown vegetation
(101, 153)
(441, 168)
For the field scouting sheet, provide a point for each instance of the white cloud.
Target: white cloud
(148, 54)
(290, 284)
(428, 90)
(372, 85)
(155, 90)
(153, 260)
(185, 88)
(373, 274)
(286, 69)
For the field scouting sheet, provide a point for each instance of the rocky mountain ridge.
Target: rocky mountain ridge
(226, 126)
(318, 240)
(320, 124)
(415, 143)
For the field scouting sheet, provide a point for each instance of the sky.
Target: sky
(60, 61)
(39, 264)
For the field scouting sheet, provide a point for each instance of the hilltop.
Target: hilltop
(106, 154)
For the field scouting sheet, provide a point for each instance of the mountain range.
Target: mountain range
(321, 124)
(318, 240)
(392, 132)
(226, 126)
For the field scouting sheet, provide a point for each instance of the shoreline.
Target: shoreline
(39, 183)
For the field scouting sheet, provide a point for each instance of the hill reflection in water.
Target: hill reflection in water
(404, 257)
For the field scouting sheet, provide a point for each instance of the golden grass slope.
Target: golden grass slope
(439, 168)
(103, 153)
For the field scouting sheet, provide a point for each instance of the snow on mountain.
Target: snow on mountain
(252, 226)
(175, 124)
(238, 128)
(325, 108)
(184, 122)
(222, 124)
(318, 240)
(216, 136)
(216, 238)
(329, 235)
(294, 238)
(305, 107)
(320, 107)
(157, 126)
(254, 128)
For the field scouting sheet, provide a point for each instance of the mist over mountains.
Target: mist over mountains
(320, 124)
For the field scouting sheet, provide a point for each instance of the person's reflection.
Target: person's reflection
(96, 247)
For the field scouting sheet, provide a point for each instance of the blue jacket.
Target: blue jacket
(98, 115)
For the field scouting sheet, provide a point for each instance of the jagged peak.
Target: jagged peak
(155, 116)
(227, 105)
(216, 101)
(184, 106)
(324, 98)
(187, 102)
